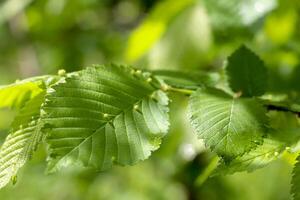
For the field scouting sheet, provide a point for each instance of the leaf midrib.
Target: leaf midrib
(103, 126)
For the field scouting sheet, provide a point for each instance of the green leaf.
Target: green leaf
(255, 159)
(247, 73)
(17, 94)
(228, 125)
(22, 141)
(105, 115)
(285, 126)
(295, 190)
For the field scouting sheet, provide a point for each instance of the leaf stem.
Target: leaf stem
(180, 90)
(207, 171)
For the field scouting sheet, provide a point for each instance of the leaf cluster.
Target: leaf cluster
(117, 115)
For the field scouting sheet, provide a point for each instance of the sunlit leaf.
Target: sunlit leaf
(105, 115)
(15, 95)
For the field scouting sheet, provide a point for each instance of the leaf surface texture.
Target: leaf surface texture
(22, 141)
(228, 125)
(105, 115)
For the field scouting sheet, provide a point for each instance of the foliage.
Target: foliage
(104, 115)
(213, 95)
(228, 125)
(116, 114)
(247, 73)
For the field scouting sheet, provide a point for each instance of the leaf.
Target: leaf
(295, 190)
(17, 94)
(285, 126)
(229, 126)
(22, 141)
(105, 115)
(247, 73)
(255, 159)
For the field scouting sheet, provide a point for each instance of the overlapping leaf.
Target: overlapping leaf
(16, 95)
(285, 127)
(22, 140)
(246, 73)
(228, 125)
(105, 115)
(255, 159)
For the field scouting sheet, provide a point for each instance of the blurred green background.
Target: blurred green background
(42, 36)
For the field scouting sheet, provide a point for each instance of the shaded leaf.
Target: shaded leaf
(246, 73)
(285, 126)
